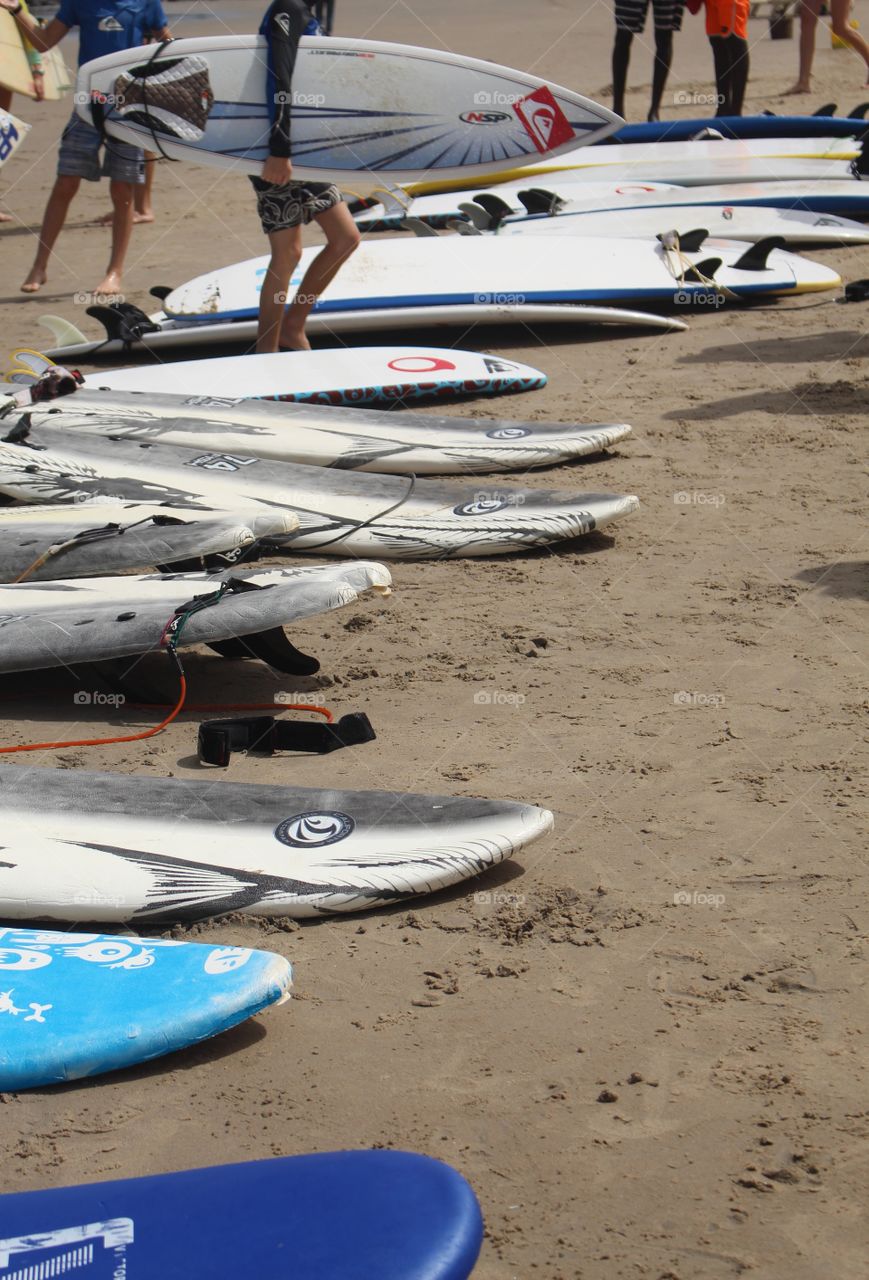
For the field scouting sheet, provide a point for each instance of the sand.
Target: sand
(641, 1041)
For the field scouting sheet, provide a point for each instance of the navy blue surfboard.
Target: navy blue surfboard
(349, 1215)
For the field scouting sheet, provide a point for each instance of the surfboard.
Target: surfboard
(342, 376)
(675, 162)
(105, 847)
(760, 126)
(101, 538)
(172, 334)
(340, 512)
(364, 112)
(12, 133)
(831, 198)
(403, 1217)
(15, 72)
(68, 622)
(79, 1004)
(436, 271)
(346, 439)
(747, 223)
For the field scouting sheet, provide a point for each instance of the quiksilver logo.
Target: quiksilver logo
(109, 24)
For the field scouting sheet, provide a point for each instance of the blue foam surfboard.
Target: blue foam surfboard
(77, 1004)
(744, 127)
(349, 1215)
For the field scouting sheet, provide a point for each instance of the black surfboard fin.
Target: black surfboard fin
(123, 322)
(755, 256)
(688, 242)
(271, 647)
(703, 271)
(859, 112)
(478, 216)
(856, 291)
(497, 208)
(828, 109)
(219, 738)
(161, 291)
(417, 226)
(539, 200)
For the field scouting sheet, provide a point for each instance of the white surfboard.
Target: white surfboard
(106, 847)
(346, 439)
(172, 334)
(686, 163)
(746, 223)
(340, 512)
(363, 112)
(12, 133)
(837, 199)
(62, 623)
(342, 376)
(437, 270)
(41, 543)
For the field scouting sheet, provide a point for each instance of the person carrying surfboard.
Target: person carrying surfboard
(105, 26)
(285, 206)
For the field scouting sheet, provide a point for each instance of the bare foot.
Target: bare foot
(797, 88)
(145, 216)
(111, 284)
(6, 217)
(295, 343)
(34, 281)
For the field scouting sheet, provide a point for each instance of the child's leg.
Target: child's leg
(663, 61)
(286, 250)
(342, 239)
(621, 61)
(53, 219)
(144, 210)
(739, 66)
(721, 58)
(122, 227)
(839, 10)
(810, 11)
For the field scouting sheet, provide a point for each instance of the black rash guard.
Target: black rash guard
(283, 26)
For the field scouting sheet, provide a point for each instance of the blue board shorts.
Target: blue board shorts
(79, 155)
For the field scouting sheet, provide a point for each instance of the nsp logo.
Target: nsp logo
(484, 117)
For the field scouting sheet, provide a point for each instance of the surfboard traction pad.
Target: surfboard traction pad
(173, 96)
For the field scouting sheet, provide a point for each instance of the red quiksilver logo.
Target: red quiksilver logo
(543, 120)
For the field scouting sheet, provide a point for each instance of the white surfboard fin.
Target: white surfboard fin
(478, 216)
(394, 200)
(63, 331)
(463, 228)
(417, 226)
(707, 135)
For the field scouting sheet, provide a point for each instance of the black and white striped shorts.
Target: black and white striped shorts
(631, 14)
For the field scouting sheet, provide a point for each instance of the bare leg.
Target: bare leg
(61, 197)
(839, 10)
(143, 210)
(342, 239)
(286, 250)
(5, 105)
(621, 61)
(122, 227)
(810, 11)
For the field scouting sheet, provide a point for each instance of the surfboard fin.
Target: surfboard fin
(703, 271)
(689, 242)
(418, 227)
(828, 109)
(755, 256)
(219, 738)
(271, 647)
(860, 166)
(859, 112)
(463, 228)
(161, 291)
(63, 331)
(477, 215)
(539, 200)
(123, 322)
(497, 208)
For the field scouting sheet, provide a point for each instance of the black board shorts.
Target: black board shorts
(631, 15)
(293, 205)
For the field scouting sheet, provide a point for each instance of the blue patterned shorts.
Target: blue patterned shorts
(80, 155)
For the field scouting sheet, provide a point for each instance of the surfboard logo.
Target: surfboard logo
(311, 830)
(508, 433)
(543, 120)
(419, 364)
(484, 117)
(480, 507)
(109, 24)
